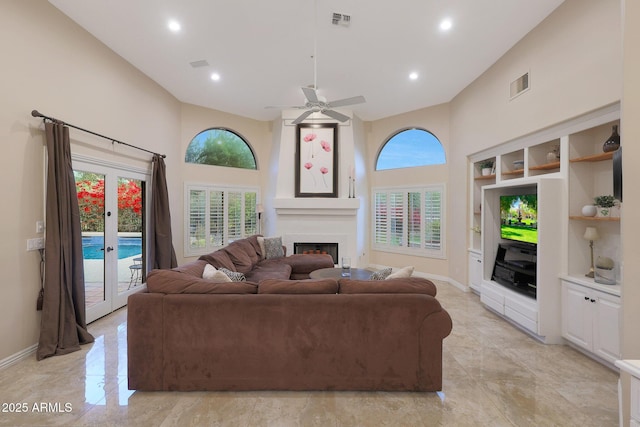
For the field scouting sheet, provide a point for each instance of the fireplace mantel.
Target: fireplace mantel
(317, 206)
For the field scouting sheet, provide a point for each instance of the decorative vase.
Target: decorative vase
(589, 210)
(604, 212)
(551, 157)
(486, 171)
(613, 143)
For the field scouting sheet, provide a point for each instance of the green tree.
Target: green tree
(220, 147)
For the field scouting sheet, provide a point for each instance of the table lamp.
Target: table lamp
(591, 234)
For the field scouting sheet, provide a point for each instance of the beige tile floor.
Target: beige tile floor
(494, 375)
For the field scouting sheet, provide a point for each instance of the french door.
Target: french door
(112, 202)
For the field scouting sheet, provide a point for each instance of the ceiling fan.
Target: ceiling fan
(318, 104)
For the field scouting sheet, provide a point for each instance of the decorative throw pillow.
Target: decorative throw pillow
(262, 249)
(402, 273)
(381, 274)
(210, 273)
(235, 276)
(273, 247)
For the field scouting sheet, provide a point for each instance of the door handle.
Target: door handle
(109, 248)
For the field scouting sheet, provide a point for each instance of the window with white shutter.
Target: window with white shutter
(218, 216)
(409, 220)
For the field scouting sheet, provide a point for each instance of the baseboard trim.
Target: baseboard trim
(17, 357)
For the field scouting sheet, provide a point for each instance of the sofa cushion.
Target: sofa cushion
(263, 251)
(269, 269)
(381, 274)
(259, 250)
(239, 255)
(174, 282)
(273, 247)
(234, 276)
(210, 273)
(219, 259)
(401, 273)
(306, 263)
(310, 286)
(193, 268)
(409, 285)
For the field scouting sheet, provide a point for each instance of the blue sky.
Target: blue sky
(413, 147)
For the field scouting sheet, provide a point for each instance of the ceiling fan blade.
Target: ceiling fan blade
(302, 116)
(335, 115)
(347, 101)
(310, 94)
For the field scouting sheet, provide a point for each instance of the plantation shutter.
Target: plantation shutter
(396, 219)
(250, 216)
(414, 220)
(234, 216)
(216, 218)
(197, 219)
(432, 219)
(381, 219)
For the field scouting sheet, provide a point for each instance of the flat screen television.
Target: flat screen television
(519, 218)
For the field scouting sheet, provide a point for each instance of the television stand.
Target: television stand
(515, 268)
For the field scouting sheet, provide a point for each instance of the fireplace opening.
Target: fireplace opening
(317, 248)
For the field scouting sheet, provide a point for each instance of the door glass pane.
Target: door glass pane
(131, 259)
(90, 189)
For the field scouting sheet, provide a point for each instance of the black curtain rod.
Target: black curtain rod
(36, 113)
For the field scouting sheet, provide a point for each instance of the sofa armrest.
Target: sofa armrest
(145, 344)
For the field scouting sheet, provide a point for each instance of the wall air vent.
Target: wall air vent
(199, 64)
(519, 85)
(341, 19)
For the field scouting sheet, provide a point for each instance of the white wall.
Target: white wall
(435, 120)
(51, 64)
(574, 60)
(631, 174)
(195, 119)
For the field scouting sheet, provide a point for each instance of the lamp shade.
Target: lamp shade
(591, 233)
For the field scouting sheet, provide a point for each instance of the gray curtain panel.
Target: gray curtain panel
(161, 251)
(63, 325)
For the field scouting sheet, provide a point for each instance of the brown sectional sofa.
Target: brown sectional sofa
(245, 256)
(187, 333)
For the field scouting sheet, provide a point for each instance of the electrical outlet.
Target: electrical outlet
(39, 227)
(35, 244)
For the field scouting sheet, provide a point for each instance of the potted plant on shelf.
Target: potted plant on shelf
(605, 205)
(486, 166)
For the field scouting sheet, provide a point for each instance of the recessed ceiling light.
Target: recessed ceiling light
(446, 24)
(413, 76)
(215, 77)
(174, 26)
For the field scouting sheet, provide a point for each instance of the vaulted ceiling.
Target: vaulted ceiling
(263, 51)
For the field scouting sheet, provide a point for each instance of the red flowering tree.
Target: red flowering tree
(90, 191)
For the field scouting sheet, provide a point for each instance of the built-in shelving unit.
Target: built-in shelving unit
(567, 168)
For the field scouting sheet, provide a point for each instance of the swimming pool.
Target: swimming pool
(92, 247)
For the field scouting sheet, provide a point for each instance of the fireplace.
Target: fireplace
(317, 248)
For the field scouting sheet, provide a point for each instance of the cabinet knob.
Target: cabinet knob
(479, 260)
(592, 300)
(586, 298)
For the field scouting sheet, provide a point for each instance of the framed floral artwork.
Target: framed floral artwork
(317, 160)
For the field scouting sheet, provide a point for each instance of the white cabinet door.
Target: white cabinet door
(475, 271)
(606, 326)
(576, 315)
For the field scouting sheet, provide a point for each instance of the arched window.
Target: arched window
(220, 147)
(409, 148)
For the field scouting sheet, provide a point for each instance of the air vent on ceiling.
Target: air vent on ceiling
(199, 64)
(519, 85)
(341, 19)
